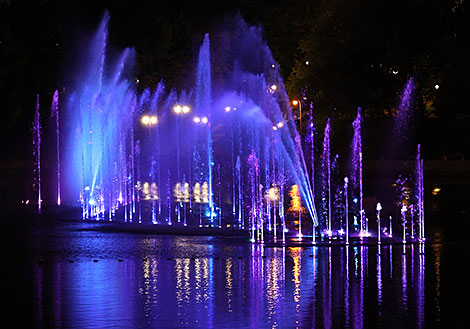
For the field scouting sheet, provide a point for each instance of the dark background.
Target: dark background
(352, 48)
(359, 53)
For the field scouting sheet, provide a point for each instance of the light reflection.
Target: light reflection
(296, 272)
(404, 294)
(379, 283)
(332, 291)
(229, 282)
(420, 291)
(273, 289)
(437, 250)
(346, 291)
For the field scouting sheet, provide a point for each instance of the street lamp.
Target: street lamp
(149, 120)
(296, 102)
(178, 109)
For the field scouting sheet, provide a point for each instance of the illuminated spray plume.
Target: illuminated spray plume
(326, 179)
(37, 152)
(55, 116)
(153, 156)
(356, 168)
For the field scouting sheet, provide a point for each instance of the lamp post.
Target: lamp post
(179, 110)
(296, 102)
(205, 121)
(150, 121)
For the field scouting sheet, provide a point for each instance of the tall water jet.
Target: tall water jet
(356, 167)
(203, 107)
(99, 132)
(37, 152)
(55, 115)
(310, 142)
(403, 220)
(109, 155)
(403, 122)
(346, 208)
(326, 178)
(379, 229)
(419, 186)
(310, 138)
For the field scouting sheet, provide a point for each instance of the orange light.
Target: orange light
(295, 102)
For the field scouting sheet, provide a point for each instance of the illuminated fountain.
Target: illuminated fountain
(224, 153)
(326, 180)
(209, 156)
(55, 117)
(36, 134)
(356, 171)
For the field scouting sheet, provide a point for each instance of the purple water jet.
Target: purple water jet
(37, 153)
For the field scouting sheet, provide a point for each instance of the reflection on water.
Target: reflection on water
(241, 285)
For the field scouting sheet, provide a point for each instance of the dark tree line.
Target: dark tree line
(338, 54)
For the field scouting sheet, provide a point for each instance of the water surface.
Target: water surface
(70, 276)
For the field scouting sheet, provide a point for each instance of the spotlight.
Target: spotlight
(177, 109)
(145, 120)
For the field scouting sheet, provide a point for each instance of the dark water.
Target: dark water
(63, 275)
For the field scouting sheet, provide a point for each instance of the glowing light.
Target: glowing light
(185, 109)
(197, 119)
(154, 191)
(87, 188)
(177, 109)
(341, 232)
(227, 109)
(273, 87)
(197, 193)
(205, 192)
(145, 120)
(295, 205)
(274, 128)
(295, 102)
(146, 191)
(395, 72)
(436, 87)
(204, 120)
(149, 120)
(436, 190)
(273, 194)
(280, 124)
(92, 202)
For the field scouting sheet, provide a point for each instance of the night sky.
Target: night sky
(353, 49)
